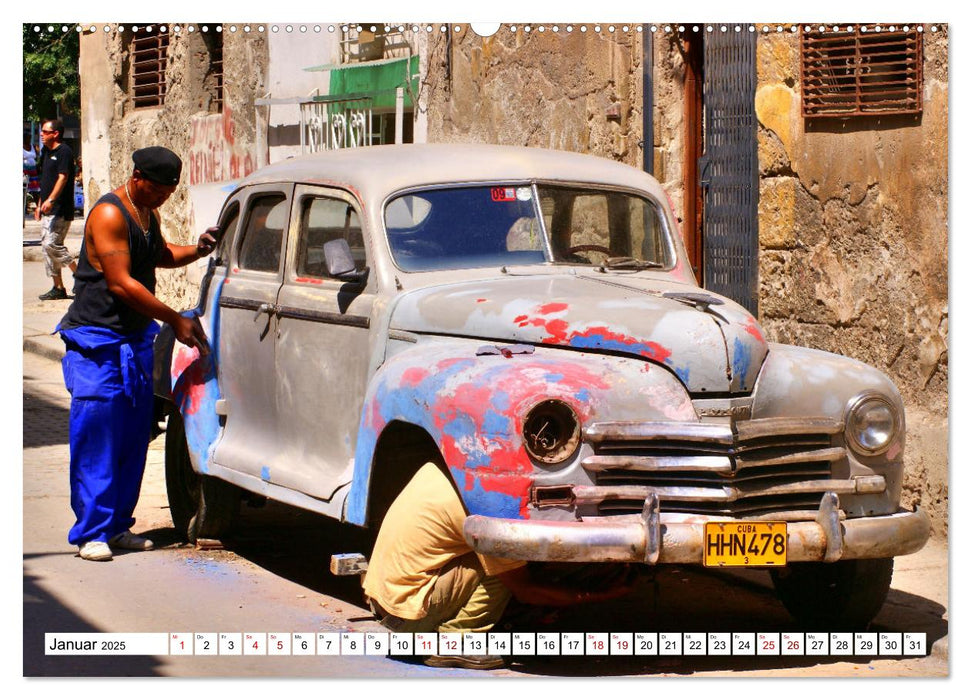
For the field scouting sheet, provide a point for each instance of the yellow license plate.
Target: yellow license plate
(745, 544)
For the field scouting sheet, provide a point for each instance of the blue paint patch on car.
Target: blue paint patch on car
(481, 502)
(197, 386)
(684, 374)
(741, 359)
(494, 423)
(265, 473)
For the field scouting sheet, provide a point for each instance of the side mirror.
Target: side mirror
(340, 262)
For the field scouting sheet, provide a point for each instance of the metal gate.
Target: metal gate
(730, 166)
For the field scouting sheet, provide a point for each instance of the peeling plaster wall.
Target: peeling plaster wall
(212, 146)
(573, 92)
(853, 230)
(669, 78)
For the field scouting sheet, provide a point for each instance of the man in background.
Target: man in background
(56, 208)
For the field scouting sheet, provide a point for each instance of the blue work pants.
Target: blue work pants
(110, 428)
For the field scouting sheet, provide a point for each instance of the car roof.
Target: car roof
(374, 172)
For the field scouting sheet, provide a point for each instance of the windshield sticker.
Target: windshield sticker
(524, 194)
(503, 194)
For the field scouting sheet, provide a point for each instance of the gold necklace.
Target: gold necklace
(138, 212)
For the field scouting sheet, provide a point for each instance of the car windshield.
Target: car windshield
(498, 225)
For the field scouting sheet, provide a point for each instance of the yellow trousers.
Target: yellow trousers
(463, 599)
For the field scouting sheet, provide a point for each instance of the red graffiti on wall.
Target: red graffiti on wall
(213, 153)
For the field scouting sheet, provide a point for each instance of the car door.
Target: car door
(322, 347)
(247, 333)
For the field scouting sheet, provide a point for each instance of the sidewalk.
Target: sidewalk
(41, 317)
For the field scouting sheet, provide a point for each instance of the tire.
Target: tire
(843, 596)
(201, 506)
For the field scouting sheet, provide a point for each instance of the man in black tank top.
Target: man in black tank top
(109, 331)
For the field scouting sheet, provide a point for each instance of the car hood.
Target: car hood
(712, 344)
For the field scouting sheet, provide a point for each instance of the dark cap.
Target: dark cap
(158, 164)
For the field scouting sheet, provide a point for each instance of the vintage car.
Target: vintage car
(528, 318)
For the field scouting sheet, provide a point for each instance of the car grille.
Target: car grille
(763, 468)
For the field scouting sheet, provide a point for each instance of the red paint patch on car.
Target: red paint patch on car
(511, 485)
(188, 371)
(557, 329)
(184, 356)
(553, 308)
(414, 376)
(753, 329)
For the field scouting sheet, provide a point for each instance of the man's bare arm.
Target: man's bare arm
(179, 255)
(107, 238)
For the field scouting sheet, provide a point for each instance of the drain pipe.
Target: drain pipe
(647, 86)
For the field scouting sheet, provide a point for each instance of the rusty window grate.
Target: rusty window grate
(149, 57)
(857, 73)
(214, 76)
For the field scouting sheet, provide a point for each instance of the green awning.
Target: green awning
(376, 80)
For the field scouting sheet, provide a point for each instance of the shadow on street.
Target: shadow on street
(45, 613)
(45, 423)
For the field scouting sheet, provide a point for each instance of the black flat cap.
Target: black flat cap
(158, 164)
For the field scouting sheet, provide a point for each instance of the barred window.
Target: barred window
(149, 50)
(858, 73)
(213, 79)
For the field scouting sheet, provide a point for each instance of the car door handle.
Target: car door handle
(264, 309)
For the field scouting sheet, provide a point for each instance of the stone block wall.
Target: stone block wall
(577, 91)
(853, 226)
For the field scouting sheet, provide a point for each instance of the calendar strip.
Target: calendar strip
(519, 644)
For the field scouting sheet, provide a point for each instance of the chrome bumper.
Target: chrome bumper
(654, 538)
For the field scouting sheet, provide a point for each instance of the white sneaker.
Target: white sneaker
(95, 550)
(127, 540)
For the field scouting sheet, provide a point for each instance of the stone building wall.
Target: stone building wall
(213, 145)
(853, 225)
(567, 91)
(669, 126)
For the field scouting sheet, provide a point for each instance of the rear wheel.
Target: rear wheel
(844, 595)
(201, 506)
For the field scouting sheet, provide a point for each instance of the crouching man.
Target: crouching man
(424, 577)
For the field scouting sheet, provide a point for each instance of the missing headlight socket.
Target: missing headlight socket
(551, 432)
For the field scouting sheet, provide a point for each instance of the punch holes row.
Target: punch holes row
(458, 29)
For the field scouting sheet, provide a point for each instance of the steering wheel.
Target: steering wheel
(588, 249)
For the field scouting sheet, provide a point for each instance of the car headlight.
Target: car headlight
(872, 423)
(551, 432)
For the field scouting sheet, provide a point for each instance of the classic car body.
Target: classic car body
(528, 318)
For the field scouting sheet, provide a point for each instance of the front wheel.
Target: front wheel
(844, 595)
(201, 506)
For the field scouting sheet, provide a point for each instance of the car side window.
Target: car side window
(266, 221)
(324, 219)
(227, 227)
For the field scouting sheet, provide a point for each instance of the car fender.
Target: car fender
(473, 407)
